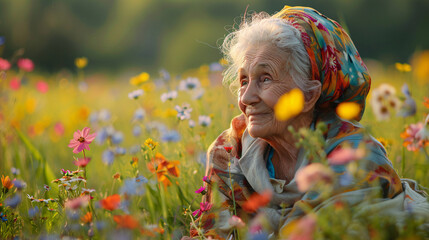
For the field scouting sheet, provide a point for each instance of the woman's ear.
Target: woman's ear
(312, 95)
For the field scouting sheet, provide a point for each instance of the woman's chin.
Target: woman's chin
(256, 131)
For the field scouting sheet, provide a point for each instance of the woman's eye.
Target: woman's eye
(266, 79)
(243, 82)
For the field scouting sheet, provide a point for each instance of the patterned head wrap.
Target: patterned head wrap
(334, 59)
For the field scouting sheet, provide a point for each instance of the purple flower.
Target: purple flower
(13, 202)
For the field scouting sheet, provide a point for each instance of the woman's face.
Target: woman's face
(263, 79)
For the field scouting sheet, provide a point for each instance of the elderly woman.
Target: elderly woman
(295, 48)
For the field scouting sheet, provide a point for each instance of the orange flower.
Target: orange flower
(87, 218)
(126, 221)
(111, 202)
(257, 201)
(6, 182)
(162, 167)
(426, 102)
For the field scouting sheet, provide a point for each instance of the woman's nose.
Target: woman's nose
(250, 94)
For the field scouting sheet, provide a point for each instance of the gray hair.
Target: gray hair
(264, 29)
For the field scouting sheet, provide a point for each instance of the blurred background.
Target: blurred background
(118, 35)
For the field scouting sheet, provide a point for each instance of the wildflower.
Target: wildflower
(409, 106)
(108, 157)
(111, 202)
(204, 207)
(384, 142)
(201, 190)
(6, 182)
(4, 64)
(150, 144)
(169, 96)
(235, 221)
(189, 84)
(82, 162)
(183, 112)
(81, 140)
(81, 62)
(59, 129)
(87, 218)
(162, 167)
(126, 221)
(25, 64)
(77, 203)
(426, 102)
(289, 105)
(348, 110)
(137, 130)
(228, 148)
(423, 133)
(15, 171)
(87, 190)
(3, 217)
(141, 78)
(302, 229)
(197, 93)
(42, 86)
(403, 67)
(170, 136)
(411, 140)
(216, 67)
(206, 179)
(204, 120)
(13, 202)
(15, 83)
(312, 174)
(116, 175)
(164, 74)
(104, 115)
(33, 212)
(257, 201)
(139, 114)
(341, 156)
(135, 94)
(134, 186)
(191, 123)
(383, 100)
(19, 184)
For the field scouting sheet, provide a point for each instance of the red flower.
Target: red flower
(228, 148)
(4, 65)
(111, 202)
(126, 221)
(25, 64)
(257, 201)
(81, 140)
(42, 86)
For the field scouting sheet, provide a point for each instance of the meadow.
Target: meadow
(139, 177)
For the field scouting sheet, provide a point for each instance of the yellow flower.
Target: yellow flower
(384, 142)
(223, 62)
(150, 144)
(83, 113)
(81, 62)
(204, 69)
(139, 79)
(421, 66)
(403, 67)
(30, 105)
(289, 105)
(348, 110)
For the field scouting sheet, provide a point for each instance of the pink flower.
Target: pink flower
(314, 173)
(205, 206)
(196, 213)
(201, 190)
(82, 162)
(4, 65)
(412, 137)
(59, 128)
(304, 229)
(343, 156)
(77, 202)
(81, 140)
(42, 86)
(25, 64)
(15, 84)
(235, 221)
(206, 179)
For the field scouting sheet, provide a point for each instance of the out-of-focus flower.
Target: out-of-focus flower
(183, 112)
(302, 229)
(42, 86)
(81, 140)
(82, 86)
(206, 179)
(2, 40)
(235, 221)
(13, 201)
(201, 190)
(257, 201)
(6, 182)
(216, 67)
(117, 176)
(139, 114)
(120, 151)
(82, 162)
(15, 171)
(424, 132)
(126, 221)
(2, 216)
(170, 136)
(409, 106)
(315, 173)
(117, 137)
(135, 94)
(33, 212)
(420, 62)
(403, 67)
(77, 203)
(87, 218)
(139, 79)
(134, 186)
(25, 64)
(348, 110)
(46, 187)
(15, 83)
(191, 123)
(108, 157)
(150, 144)
(189, 84)
(289, 105)
(19, 184)
(111, 202)
(411, 141)
(162, 167)
(169, 96)
(81, 62)
(164, 74)
(426, 102)
(198, 93)
(341, 156)
(102, 135)
(204, 120)
(204, 207)
(137, 130)
(104, 115)
(383, 100)
(59, 128)
(4, 64)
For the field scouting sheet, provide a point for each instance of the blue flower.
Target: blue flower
(165, 74)
(170, 136)
(3, 217)
(104, 115)
(33, 212)
(15, 171)
(93, 117)
(108, 157)
(120, 151)
(13, 202)
(134, 186)
(137, 130)
(183, 112)
(101, 136)
(2, 40)
(19, 184)
(117, 137)
(134, 149)
(139, 114)
(215, 67)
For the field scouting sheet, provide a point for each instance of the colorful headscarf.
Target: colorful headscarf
(335, 61)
